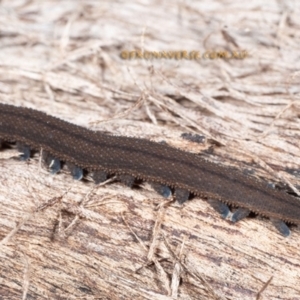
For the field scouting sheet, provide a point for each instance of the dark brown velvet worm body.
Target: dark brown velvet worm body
(144, 159)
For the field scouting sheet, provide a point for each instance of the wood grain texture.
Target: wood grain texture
(62, 239)
(110, 242)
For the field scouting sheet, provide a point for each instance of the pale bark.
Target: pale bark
(64, 239)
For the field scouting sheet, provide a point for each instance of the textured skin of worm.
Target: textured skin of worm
(281, 227)
(181, 195)
(127, 179)
(144, 159)
(240, 214)
(25, 150)
(163, 190)
(55, 165)
(51, 162)
(76, 172)
(220, 207)
(99, 176)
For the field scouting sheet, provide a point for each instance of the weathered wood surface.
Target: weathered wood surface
(63, 239)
